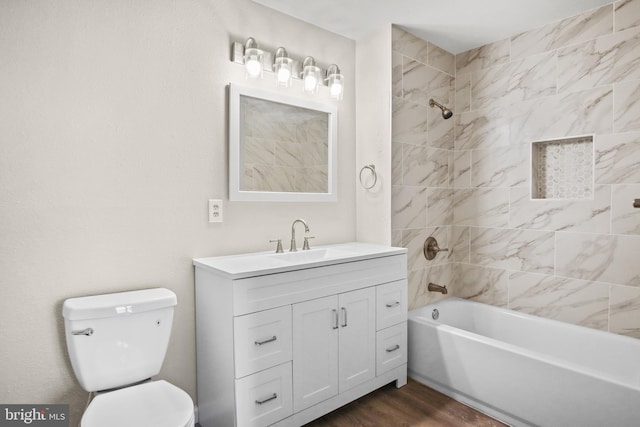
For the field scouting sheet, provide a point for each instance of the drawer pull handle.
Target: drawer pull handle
(264, 341)
(394, 348)
(335, 318)
(267, 399)
(344, 312)
(393, 304)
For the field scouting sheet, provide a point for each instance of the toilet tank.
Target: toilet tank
(118, 339)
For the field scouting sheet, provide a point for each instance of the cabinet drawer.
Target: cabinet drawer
(264, 292)
(391, 304)
(265, 397)
(262, 340)
(391, 348)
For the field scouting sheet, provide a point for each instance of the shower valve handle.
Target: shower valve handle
(431, 248)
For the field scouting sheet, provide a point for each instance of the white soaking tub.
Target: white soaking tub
(523, 369)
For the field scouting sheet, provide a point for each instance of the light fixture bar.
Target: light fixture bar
(237, 56)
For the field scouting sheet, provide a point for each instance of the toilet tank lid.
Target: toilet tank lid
(117, 304)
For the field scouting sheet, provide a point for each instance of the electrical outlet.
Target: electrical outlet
(215, 210)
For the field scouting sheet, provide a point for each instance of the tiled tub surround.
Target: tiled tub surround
(422, 156)
(572, 260)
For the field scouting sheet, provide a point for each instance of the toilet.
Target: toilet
(116, 343)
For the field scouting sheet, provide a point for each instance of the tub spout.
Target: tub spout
(432, 287)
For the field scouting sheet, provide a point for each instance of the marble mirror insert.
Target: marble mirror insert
(281, 148)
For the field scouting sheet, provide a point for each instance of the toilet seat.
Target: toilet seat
(156, 403)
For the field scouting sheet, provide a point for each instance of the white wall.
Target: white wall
(113, 135)
(373, 135)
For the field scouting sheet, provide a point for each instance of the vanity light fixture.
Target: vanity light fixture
(311, 75)
(285, 68)
(253, 59)
(282, 66)
(335, 81)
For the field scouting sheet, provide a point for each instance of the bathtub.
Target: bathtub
(525, 370)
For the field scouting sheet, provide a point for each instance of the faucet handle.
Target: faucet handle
(305, 245)
(431, 248)
(279, 249)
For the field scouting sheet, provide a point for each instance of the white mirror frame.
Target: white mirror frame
(235, 147)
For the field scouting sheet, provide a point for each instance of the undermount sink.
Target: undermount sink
(316, 254)
(260, 263)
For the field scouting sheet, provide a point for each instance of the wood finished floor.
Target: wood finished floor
(413, 405)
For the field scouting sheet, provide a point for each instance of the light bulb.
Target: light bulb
(335, 82)
(254, 67)
(282, 67)
(310, 83)
(284, 74)
(310, 75)
(253, 59)
(336, 89)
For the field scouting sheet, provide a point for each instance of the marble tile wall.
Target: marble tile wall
(422, 157)
(572, 260)
(467, 181)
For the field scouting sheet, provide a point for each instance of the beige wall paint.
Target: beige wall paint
(373, 135)
(113, 137)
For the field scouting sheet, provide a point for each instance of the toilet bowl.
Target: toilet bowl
(155, 403)
(116, 343)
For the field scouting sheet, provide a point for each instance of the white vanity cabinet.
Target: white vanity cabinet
(334, 343)
(282, 340)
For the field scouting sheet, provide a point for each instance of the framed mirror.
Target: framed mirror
(281, 148)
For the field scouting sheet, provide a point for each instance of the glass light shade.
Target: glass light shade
(253, 62)
(336, 86)
(311, 76)
(282, 68)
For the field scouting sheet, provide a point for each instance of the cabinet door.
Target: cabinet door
(357, 337)
(315, 351)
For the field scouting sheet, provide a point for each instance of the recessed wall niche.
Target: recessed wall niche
(562, 168)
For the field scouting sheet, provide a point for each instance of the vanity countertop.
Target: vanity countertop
(261, 263)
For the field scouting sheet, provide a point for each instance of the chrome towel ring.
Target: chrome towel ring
(374, 175)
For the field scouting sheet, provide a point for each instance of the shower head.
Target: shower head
(446, 113)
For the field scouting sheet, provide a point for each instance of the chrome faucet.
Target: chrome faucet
(432, 287)
(293, 235)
